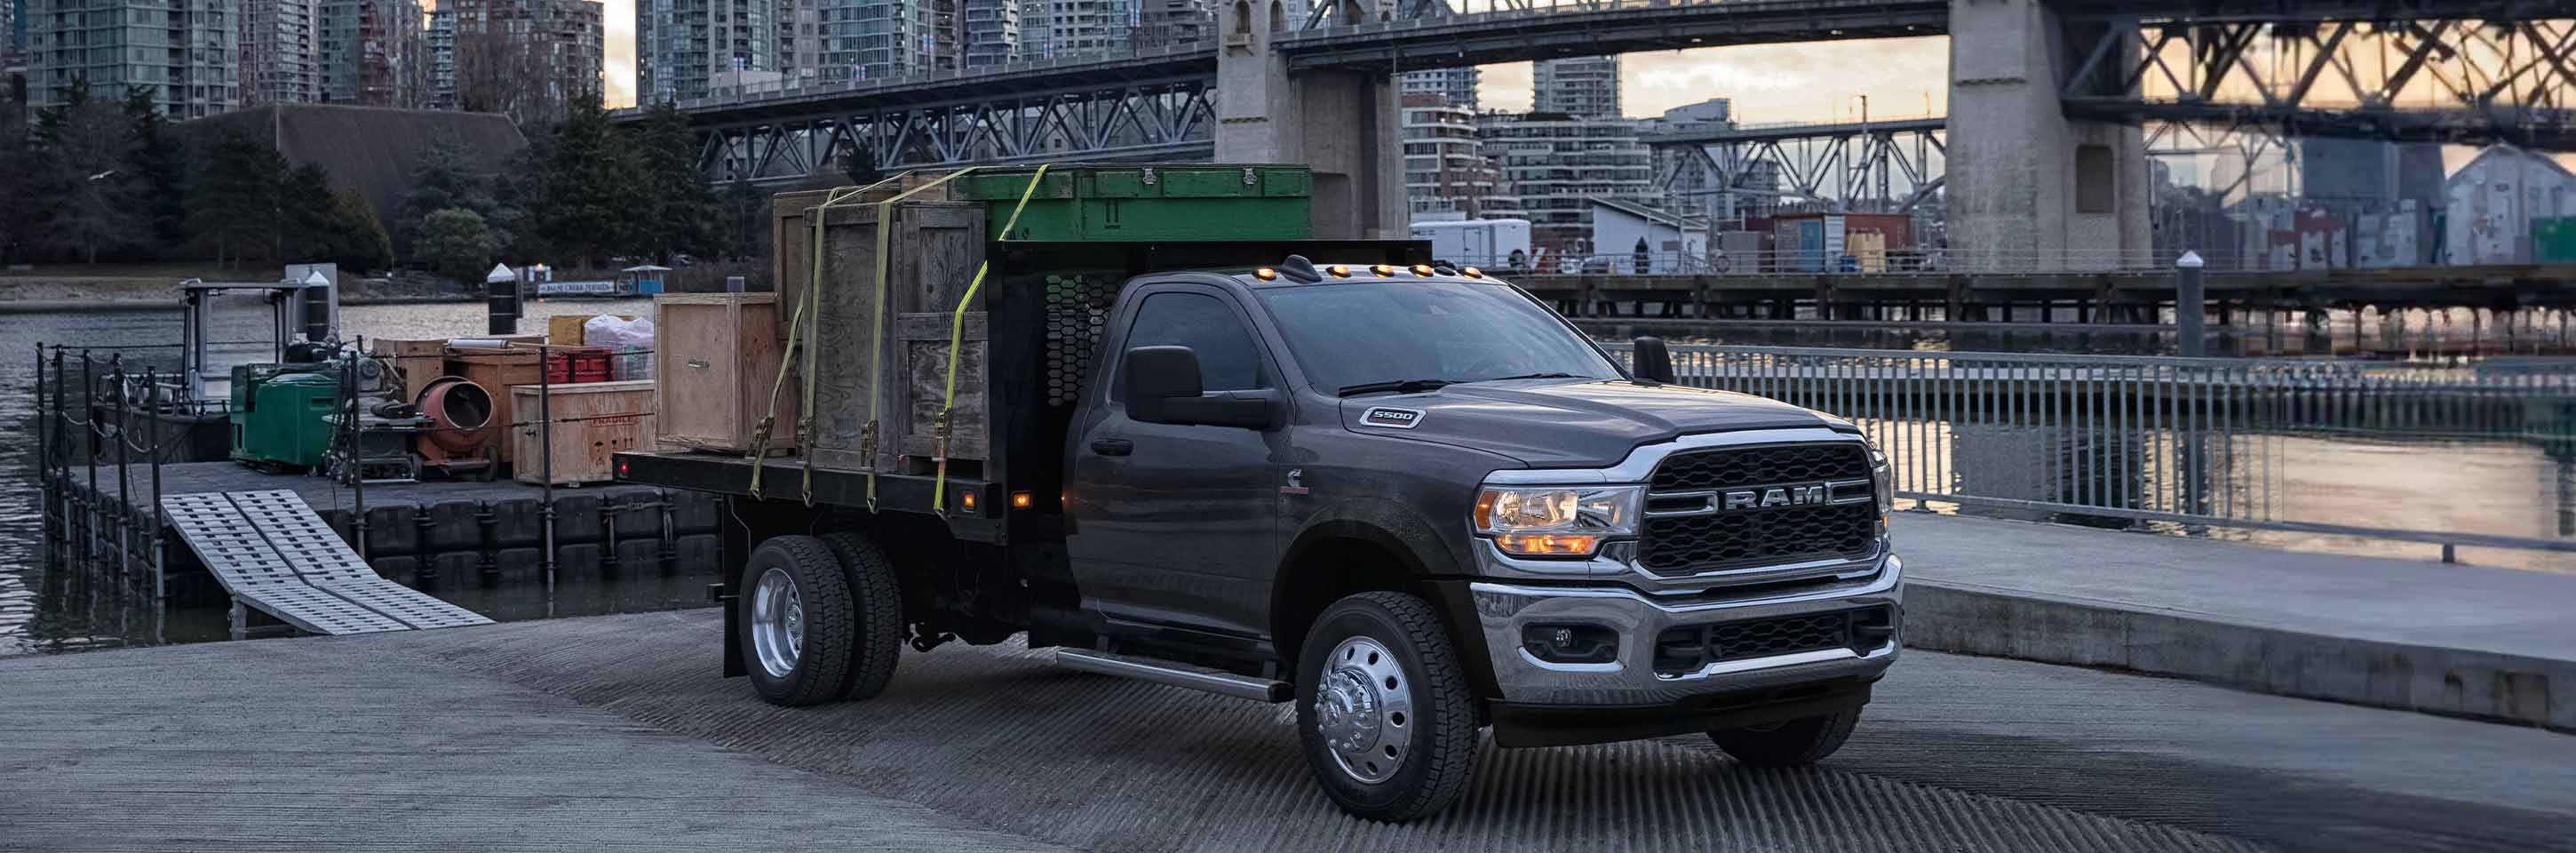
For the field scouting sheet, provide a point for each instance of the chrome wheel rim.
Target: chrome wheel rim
(777, 623)
(1364, 709)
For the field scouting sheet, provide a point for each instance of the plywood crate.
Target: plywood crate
(717, 361)
(587, 424)
(792, 231)
(937, 246)
(419, 361)
(495, 370)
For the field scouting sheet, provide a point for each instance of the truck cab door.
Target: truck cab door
(1174, 525)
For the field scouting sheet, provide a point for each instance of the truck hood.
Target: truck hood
(1566, 423)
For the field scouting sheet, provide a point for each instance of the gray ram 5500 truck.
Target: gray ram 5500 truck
(1411, 500)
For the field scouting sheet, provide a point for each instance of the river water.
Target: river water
(2489, 486)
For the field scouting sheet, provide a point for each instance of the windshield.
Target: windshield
(1354, 338)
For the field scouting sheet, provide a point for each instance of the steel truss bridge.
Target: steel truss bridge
(2459, 71)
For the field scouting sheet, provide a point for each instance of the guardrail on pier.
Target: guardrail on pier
(2191, 441)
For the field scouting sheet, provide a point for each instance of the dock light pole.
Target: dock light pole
(2189, 301)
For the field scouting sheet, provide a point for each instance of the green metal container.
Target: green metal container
(2553, 240)
(281, 414)
(1130, 202)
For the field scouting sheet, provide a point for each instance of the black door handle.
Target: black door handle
(1112, 446)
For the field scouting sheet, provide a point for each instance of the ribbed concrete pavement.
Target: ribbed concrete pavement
(615, 733)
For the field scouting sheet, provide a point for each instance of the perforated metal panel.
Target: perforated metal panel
(1077, 314)
(271, 552)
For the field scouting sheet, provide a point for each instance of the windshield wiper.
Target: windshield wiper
(1405, 386)
(1532, 376)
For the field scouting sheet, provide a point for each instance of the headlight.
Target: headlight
(1883, 479)
(1557, 521)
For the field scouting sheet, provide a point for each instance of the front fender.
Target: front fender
(1432, 564)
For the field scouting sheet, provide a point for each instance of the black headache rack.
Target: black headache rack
(1047, 307)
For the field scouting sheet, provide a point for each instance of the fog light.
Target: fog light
(1571, 643)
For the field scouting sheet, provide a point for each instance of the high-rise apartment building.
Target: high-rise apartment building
(1058, 29)
(877, 39)
(1585, 86)
(440, 43)
(798, 44)
(281, 43)
(1554, 162)
(13, 36)
(527, 58)
(680, 45)
(186, 53)
(1446, 172)
(1453, 86)
(372, 53)
(989, 30)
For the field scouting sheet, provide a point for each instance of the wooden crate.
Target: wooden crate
(937, 246)
(587, 424)
(419, 361)
(716, 363)
(496, 370)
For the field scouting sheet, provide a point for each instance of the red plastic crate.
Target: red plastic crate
(575, 365)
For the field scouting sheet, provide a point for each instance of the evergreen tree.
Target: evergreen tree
(160, 169)
(19, 220)
(679, 209)
(455, 243)
(445, 178)
(235, 201)
(82, 172)
(588, 196)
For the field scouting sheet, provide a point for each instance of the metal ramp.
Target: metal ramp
(272, 552)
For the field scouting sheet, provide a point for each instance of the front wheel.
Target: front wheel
(1383, 708)
(1802, 741)
(796, 622)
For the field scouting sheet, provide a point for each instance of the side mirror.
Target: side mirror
(1161, 385)
(1654, 363)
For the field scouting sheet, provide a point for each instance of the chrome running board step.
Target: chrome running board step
(1173, 674)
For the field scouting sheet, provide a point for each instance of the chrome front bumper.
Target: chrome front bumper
(1504, 610)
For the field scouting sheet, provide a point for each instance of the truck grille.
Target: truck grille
(1683, 545)
(1684, 650)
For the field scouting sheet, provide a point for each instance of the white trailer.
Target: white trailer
(1501, 244)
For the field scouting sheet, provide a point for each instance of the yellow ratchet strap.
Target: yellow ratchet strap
(795, 330)
(876, 348)
(956, 341)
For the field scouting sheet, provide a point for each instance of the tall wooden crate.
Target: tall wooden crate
(496, 370)
(718, 359)
(587, 423)
(937, 246)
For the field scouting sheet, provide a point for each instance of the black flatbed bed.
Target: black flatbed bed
(784, 479)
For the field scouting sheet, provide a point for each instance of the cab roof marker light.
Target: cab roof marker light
(1473, 272)
(1266, 274)
(1423, 270)
(1339, 271)
(1382, 270)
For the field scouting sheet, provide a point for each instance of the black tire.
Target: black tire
(876, 599)
(1799, 742)
(817, 672)
(1441, 751)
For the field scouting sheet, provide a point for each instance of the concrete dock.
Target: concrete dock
(615, 733)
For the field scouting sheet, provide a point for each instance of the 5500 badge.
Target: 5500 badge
(1392, 418)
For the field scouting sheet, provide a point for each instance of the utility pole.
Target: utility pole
(2188, 302)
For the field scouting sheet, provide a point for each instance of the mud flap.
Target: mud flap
(724, 598)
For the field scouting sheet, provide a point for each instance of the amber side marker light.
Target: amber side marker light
(968, 498)
(1021, 500)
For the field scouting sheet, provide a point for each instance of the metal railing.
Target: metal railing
(2239, 443)
(1766, 262)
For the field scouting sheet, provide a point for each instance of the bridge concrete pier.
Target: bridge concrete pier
(1342, 124)
(2028, 188)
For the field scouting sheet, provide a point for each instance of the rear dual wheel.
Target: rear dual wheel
(821, 619)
